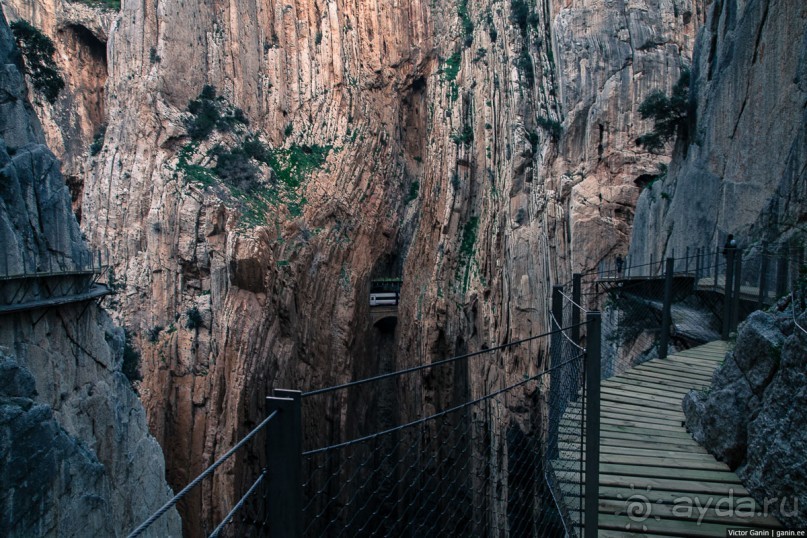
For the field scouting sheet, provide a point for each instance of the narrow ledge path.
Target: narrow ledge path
(655, 480)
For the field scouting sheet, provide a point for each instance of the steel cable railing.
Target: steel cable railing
(473, 468)
(196, 481)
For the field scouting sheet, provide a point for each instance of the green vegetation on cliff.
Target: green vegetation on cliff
(105, 4)
(241, 167)
(669, 114)
(38, 50)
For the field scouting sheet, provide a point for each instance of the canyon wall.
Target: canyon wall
(77, 453)
(481, 149)
(742, 169)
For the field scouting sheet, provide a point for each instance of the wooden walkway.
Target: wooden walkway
(655, 480)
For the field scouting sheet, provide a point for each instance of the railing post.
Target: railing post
(555, 381)
(686, 261)
(592, 466)
(717, 263)
(727, 293)
(735, 297)
(781, 276)
(284, 442)
(763, 280)
(577, 298)
(666, 310)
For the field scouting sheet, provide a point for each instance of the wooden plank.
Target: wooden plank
(670, 497)
(703, 359)
(615, 431)
(664, 527)
(657, 381)
(625, 396)
(623, 440)
(642, 380)
(709, 354)
(659, 452)
(690, 365)
(646, 388)
(623, 409)
(651, 375)
(743, 514)
(655, 460)
(648, 418)
(668, 413)
(692, 361)
(641, 468)
(690, 374)
(684, 368)
(671, 484)
(671, 374)
(647, 468)
(629, 422)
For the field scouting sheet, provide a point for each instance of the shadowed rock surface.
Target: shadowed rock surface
(76, 457)
(753, 416)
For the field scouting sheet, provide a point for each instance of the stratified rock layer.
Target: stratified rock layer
(743, 168)
(76, 453)
(480, 149)
(752, 416)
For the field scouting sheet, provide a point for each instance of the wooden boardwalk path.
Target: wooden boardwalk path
(655, 480)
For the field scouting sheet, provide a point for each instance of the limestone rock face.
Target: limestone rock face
(76, 452)
(78, 116)
(742, 169)
(749, 417)
(479, 161)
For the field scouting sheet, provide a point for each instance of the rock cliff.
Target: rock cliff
(749, 417)
(76, 451)
(482, 150)
(742, 169)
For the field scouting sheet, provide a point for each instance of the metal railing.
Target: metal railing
(479, 465)
(479, 461)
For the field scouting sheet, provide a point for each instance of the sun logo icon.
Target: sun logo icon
(638, 508)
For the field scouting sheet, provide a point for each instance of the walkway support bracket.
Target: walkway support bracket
(592, 466)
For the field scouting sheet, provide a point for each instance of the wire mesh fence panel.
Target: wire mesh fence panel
(474, 470)
(479, 466)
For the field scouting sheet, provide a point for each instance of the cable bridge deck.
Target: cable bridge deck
(654, 478)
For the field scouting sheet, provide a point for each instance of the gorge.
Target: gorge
(249, 167)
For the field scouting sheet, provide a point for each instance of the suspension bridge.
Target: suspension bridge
(586, 438)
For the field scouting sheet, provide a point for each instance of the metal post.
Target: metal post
(686, 261)
(781, 276)
(652, 266)
(555, 380)
(727, 293)
(666, 310)
(717, 262)
(593, 365)
(284, 442)
(577, 298)
(735, 298)
(697, 267)
(763, 280)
